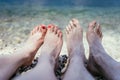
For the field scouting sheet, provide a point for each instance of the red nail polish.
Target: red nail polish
(43, 27)
(49, 26)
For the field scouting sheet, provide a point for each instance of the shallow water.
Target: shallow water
(17, 21)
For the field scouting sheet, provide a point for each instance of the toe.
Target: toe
(51, 27)
(71, 25)
(67, 32)
(99, 30)
(92, 26)
(42, 28)
(39, 28)
(55, 29)
(31, 33)
(75, 22)
(67, 28)
(60, 35)
(36, 29)
(58, 32)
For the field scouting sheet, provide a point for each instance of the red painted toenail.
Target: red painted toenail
(43, 27)
(49, 26)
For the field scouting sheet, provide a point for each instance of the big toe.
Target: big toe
(51, 28)
(43, 29)
(73, 26)
(75, 22)
(91, 26)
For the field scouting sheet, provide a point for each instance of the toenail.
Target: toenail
(49, 26)
(43, 27)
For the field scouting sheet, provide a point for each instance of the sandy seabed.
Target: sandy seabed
(16, 24)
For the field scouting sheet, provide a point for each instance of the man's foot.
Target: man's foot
(94, 36)
(76, 69)
(94, 33)
(74, 35)
(34, 42)
(100, 63)
(53, 42)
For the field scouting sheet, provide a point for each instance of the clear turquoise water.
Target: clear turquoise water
(30, 15)
(17, 21)
(18, 18)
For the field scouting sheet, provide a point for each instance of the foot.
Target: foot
(99, 61)
(52, 42)
(74, 35)
(94, 36)
(76, 69)
(34, 42)
(94, 33)
(23, 56)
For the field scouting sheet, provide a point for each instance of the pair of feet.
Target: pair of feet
(99, 62)
(75, 45)
(48, 38)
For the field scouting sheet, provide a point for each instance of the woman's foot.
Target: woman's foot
(49, 51)
(22, 56)
(33, 43)
(53, 42)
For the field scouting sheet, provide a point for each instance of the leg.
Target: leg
(76, 69)
(24, 56)
(99, 61)
(49, 53)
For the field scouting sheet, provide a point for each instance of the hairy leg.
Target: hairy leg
(99, 61)
(76, 69)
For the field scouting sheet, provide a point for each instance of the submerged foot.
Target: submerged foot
(34, 42)
(94, 36)
(52, 42)
(74, 35)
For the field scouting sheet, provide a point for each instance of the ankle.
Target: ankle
(47, 58)
(77, 53)
(76, 58)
